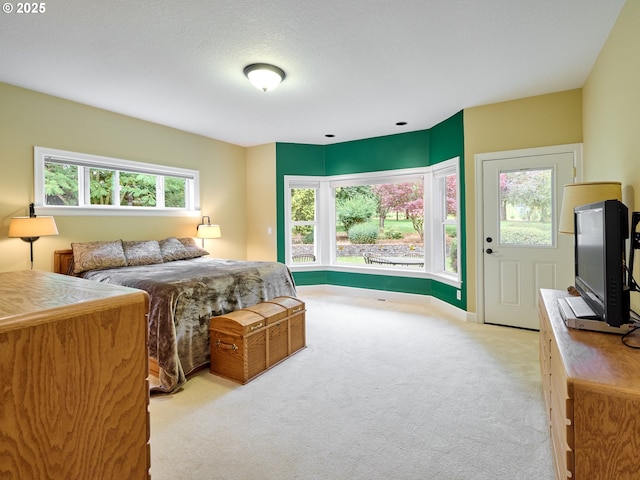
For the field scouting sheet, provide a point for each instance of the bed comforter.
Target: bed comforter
(185, 294)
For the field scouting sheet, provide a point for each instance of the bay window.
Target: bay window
(397, 222)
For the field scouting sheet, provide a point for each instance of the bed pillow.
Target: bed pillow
(97, 255)
(146, 252)
(193, 250)
(173, 249)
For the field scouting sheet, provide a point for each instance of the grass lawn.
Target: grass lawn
(543, 227)
(404, 226)
(526, 233)
(351, 260)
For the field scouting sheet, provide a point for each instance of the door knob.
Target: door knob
(489, 251)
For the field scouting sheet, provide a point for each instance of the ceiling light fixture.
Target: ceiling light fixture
(263, 76)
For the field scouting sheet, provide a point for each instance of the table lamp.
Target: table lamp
(576, 194)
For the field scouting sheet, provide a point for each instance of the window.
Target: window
(526, 203)
(445, 217)
(302, 205)
(82, 184)
(402, 222)
(380, 221)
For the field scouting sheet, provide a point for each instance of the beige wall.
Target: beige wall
(611, 104)
(28, 118)
(545, 120)
(261, 203)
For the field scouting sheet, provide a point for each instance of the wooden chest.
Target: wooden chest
(248, 342)
(296, 313)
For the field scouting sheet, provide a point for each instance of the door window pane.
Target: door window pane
(526, 207)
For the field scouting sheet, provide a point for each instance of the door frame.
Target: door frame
(480, 158)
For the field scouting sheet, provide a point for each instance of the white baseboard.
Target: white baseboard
(410, 298)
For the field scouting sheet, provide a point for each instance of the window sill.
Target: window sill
(97, 211)
(392, 272)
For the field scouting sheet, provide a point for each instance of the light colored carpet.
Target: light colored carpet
(384, 390)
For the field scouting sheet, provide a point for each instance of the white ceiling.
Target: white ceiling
(354, 68)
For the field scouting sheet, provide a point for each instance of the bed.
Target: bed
(185, 290)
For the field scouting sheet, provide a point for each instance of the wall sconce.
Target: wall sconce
(207, 230)
(576, 194)
(263, 76)
(30, 228)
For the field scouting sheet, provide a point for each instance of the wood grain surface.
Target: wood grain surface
(591, 383)
(73, 372)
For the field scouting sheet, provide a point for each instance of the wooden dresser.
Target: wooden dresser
(591, 384)
(73, 379)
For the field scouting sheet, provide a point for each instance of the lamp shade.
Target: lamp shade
(207, 230)
(576, 194)
(32, 227)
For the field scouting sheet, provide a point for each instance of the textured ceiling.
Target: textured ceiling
(354, 68)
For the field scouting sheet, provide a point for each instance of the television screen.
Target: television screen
(600, 232)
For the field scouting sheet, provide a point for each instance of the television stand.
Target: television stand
(591, 385)
(572, 319)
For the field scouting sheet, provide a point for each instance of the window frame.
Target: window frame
(439, 218)
(303, 183)
(89, 161)
(325, 232)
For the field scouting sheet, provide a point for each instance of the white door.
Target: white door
(522, 251)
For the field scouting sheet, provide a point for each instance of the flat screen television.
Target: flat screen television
(600, 276)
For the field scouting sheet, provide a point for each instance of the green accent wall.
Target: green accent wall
(407, 150)
(447, 141)
(392, 152)
(419, 286)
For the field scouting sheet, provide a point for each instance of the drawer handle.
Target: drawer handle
(233, 346)
(255, 327)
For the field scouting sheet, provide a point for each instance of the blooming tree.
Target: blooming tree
(402, 197)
